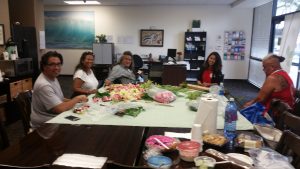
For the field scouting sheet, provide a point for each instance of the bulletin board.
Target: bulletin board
(234, 45)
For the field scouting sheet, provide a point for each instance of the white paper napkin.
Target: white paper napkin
(80, 160)
(178, 135)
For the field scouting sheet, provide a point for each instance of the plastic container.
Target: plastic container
(188, 150)
(221, 90)
(205, 162)
(230, 122)
(159, 162)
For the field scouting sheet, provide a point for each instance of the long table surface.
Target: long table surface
(176, 114)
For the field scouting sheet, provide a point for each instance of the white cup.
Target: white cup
(13, 56)
(196, 134)
(5, 55)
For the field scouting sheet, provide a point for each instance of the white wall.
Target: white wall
(175, 20)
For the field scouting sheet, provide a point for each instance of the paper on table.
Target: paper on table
(80, 160)
(178, 135)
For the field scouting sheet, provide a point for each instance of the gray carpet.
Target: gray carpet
(241, 90)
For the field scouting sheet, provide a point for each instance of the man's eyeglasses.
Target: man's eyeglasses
(54, 64)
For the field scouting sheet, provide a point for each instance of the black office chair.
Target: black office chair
(138, 62)
(23, 101)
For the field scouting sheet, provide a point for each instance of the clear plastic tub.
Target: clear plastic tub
(159, 162)
(188, 150)
(205, 162)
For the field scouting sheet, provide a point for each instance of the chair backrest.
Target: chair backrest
(138, 62)
(4, 142)
(114, 165)
(296, 110)
(291, 122)
(23, 101)
(279, 108)
(289, 145)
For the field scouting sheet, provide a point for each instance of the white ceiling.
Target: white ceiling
(232, 3)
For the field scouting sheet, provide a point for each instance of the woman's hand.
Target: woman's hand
(206, 84)
(92, 91)
(107, 82)
(82, 98)
(203, 84)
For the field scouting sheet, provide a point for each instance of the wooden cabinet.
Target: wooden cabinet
(19, 86)
(27, 84)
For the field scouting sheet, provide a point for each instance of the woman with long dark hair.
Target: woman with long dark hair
(211, 71)
(84, 80)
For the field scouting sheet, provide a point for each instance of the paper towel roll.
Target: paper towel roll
(207, 115)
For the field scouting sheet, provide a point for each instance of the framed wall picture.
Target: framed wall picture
(152, 37)
(2, 37)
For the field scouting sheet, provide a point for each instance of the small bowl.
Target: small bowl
(188, 150)
(205, 162)
(159, 162)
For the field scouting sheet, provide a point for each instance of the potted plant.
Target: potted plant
(101, 38)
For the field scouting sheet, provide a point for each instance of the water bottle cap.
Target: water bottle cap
(231, 99)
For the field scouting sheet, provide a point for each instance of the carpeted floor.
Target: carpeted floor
(241, 90)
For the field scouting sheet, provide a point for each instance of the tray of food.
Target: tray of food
(214, 139)
(269, 133)
(249, 141)
(163, 143)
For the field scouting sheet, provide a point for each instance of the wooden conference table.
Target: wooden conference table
(96, 136)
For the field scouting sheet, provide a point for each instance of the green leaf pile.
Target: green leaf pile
(134, 111)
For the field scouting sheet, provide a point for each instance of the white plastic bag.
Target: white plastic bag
(266, 158)
(161, 95)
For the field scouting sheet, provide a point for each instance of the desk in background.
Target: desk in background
(174, 74)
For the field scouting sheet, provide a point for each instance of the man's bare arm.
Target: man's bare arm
(267, 89)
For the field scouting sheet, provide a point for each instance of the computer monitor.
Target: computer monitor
(172, 53)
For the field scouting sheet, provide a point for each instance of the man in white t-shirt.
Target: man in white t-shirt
(47, 97)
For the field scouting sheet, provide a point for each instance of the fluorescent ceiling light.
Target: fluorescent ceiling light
(82, 2)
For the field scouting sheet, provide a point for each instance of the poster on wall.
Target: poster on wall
(69, 29)
(234, 45)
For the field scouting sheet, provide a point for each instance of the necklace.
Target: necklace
(276, 71)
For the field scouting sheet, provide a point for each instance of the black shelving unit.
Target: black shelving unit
(194, 52)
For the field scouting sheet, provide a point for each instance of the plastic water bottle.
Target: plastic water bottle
(221, 90)
(230, 122)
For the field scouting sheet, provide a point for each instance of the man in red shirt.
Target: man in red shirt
(278, 84)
